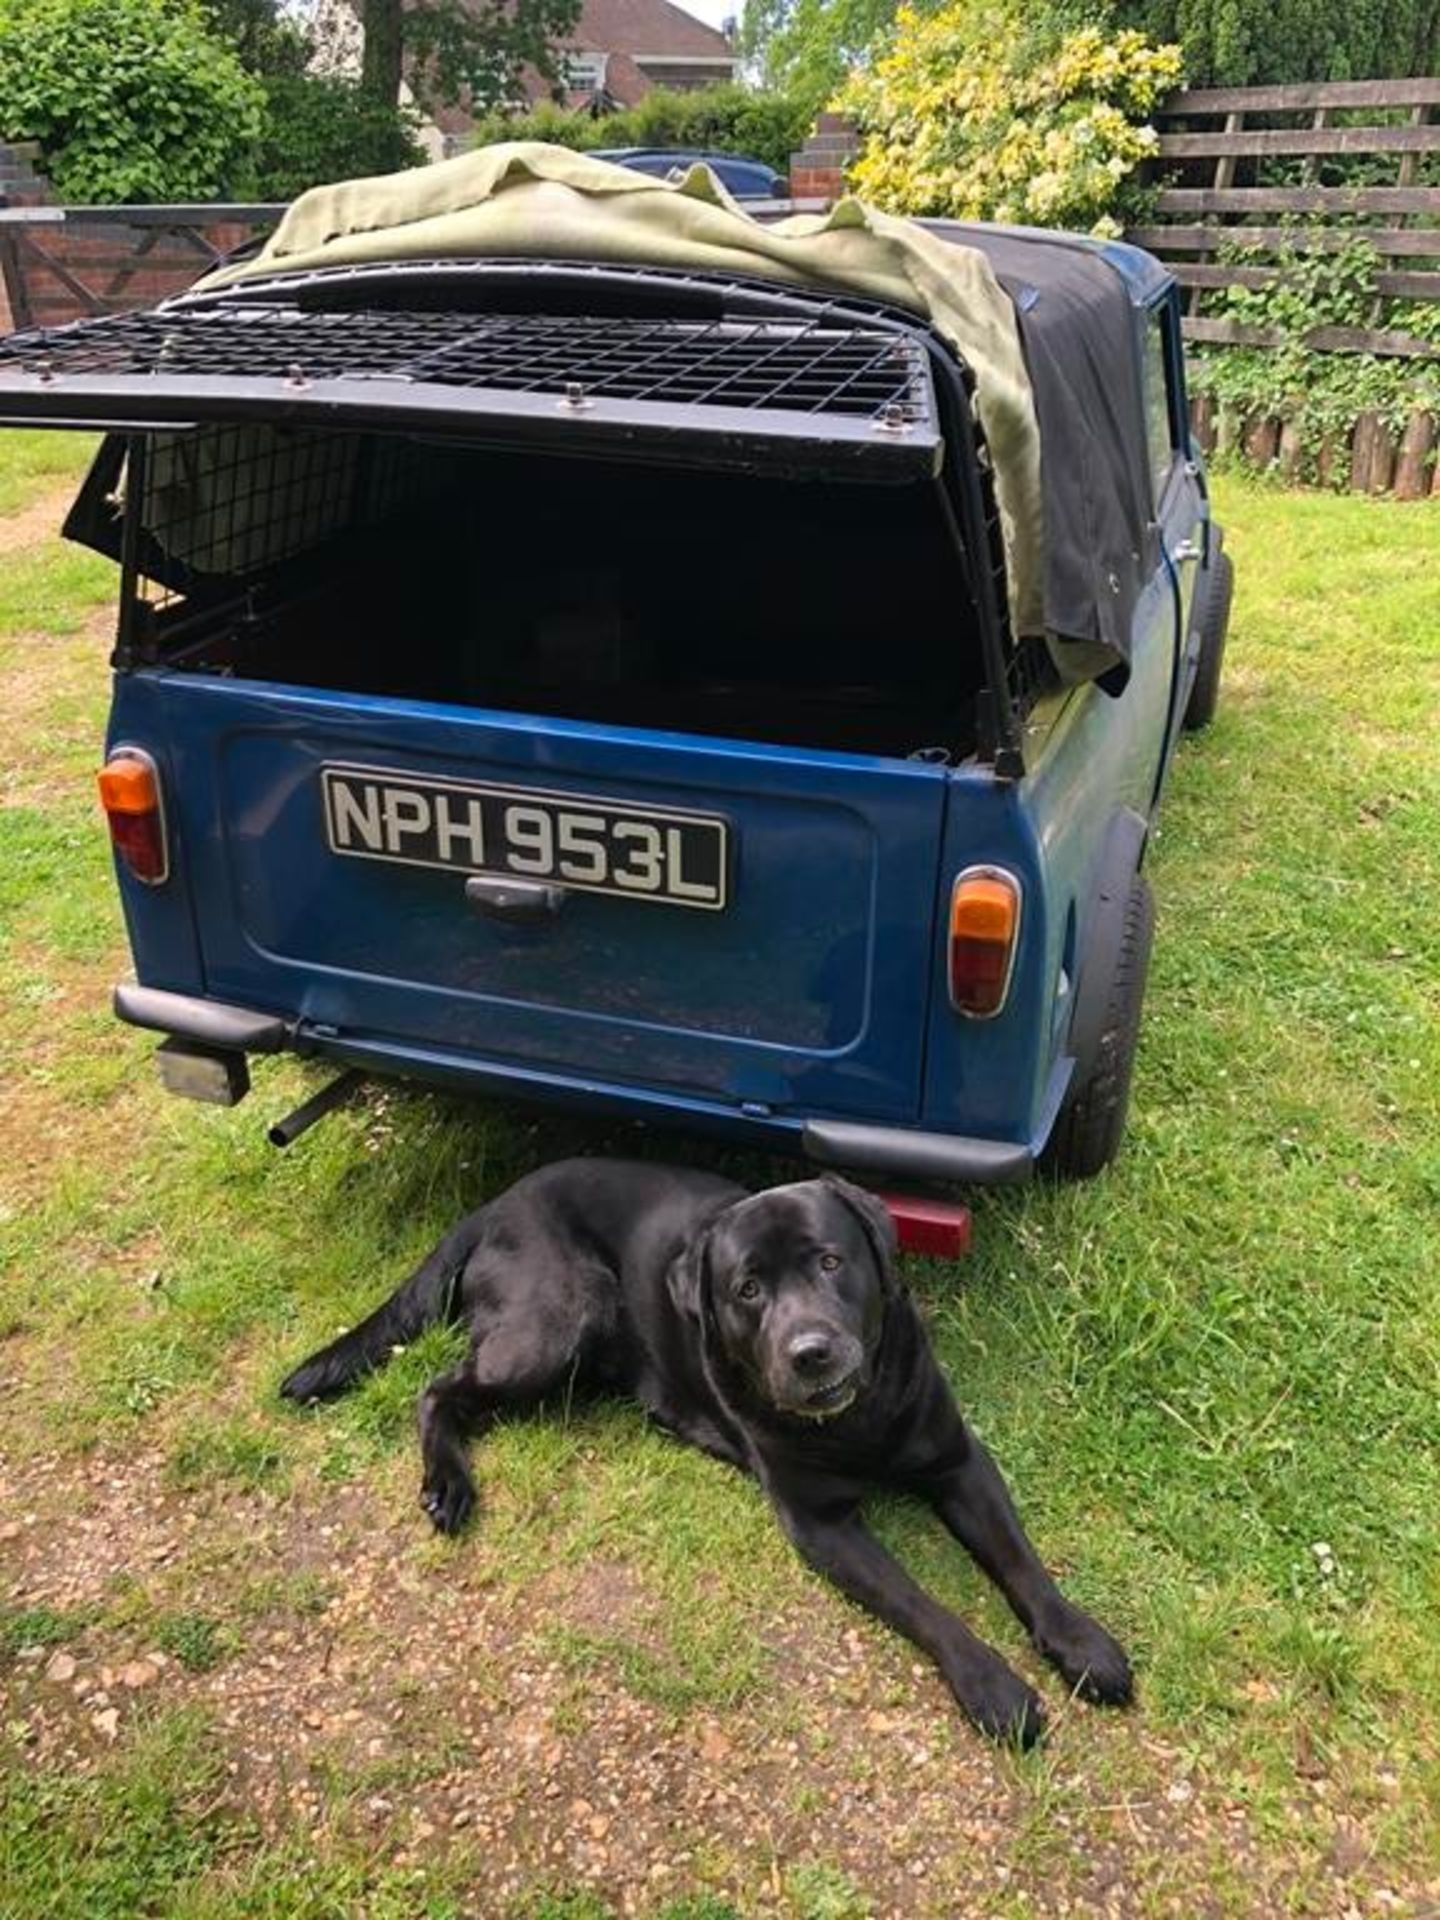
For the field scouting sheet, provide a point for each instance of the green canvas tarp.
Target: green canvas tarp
(528, 200)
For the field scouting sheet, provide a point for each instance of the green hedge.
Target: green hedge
(726, 119)
(129, 99)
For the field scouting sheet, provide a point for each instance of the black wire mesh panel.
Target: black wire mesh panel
(234, 502)
(828, 365)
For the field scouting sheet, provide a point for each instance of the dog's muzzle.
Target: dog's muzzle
(825, 1402)
(823, 1368)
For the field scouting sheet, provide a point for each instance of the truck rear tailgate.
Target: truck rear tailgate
(733, 920)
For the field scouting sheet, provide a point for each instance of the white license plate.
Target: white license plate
(567, 839)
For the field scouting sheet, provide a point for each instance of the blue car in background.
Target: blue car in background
(596, 684)
(745, 178)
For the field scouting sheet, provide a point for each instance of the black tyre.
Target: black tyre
(1214, 624)
(1090, 1125)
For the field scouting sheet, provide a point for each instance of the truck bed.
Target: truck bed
(821, 615)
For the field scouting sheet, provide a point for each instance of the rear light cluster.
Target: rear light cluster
(135, 808)
(984, 923)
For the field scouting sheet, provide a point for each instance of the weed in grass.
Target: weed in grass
(194, 1639)
(1324, 1654)
(340, 1462)
(704, 1906)
(582, 1904)
(705, 1669)
(127, 1602)
(38, 1627)
(146, 1371)
(147, 1833)
(50, 588)
(40, 856)
(815, 1890)
(305, 1594)
(579, 1905)
(290, 1883)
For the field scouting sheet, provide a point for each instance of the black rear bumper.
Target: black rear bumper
(902, 1153)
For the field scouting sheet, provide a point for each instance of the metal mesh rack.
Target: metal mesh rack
(801, 386)
(810, 366)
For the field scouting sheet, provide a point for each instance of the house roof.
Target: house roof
(644, 27)
(633, 33)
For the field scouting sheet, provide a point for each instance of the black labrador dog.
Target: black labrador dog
(772, 1330)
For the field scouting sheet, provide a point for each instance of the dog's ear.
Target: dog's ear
(689, 1275)
(874, 1217)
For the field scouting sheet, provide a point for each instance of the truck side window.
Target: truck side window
(1159, 428)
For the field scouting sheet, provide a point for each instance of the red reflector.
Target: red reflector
(939, 1228)
(130, 794)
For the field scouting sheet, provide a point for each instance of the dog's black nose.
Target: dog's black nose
(811, 1354)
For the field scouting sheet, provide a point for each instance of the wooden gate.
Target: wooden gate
(69, 263)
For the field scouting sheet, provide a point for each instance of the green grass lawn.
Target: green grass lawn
(1212, 1378)
(36, 459)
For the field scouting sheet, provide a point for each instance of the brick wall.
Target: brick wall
(817, 171)
(20, 186)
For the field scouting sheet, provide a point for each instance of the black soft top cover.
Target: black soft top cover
(1078, 327)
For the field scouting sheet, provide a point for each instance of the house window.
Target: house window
(585, 70)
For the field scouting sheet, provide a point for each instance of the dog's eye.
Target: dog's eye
(829, 1262)
(747, 1287)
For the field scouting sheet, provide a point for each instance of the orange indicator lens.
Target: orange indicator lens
(984, 920)
(130, 795)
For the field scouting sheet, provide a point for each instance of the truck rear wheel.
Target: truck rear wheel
(1090, 1125)
(1214, 624)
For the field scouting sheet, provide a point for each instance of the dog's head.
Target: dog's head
(794, 1282)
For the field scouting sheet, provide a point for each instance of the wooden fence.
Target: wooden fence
(1286, 171)
(1230, 176)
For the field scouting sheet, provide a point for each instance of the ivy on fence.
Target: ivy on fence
(1297, 406)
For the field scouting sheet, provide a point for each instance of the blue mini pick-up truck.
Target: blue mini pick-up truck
(595, 683)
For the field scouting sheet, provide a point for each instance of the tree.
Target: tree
(266, 40)
(472, 50)
(810, 45)
(805, 48)
(319, 124)
(1242, 43)
(320, 127)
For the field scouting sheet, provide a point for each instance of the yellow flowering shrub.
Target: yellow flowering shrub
(973, 112)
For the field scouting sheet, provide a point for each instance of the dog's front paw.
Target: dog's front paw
(1000, 1704)
(310, 1381)
(449, 1499)
(1092, 1661)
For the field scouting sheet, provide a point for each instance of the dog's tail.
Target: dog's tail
(428, 1296)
